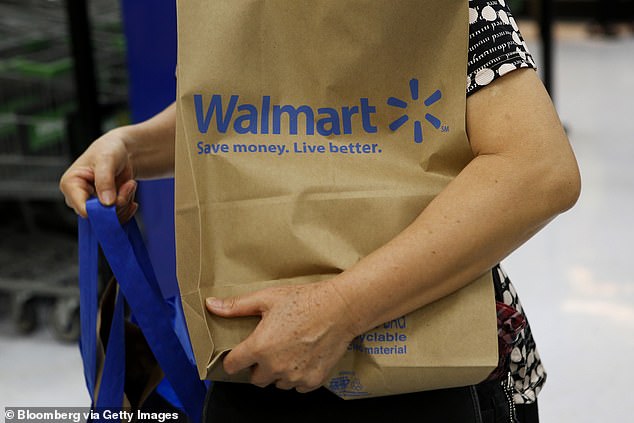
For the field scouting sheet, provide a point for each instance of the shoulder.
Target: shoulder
(496, 45)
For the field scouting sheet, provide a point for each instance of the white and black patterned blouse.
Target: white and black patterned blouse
(496, 47)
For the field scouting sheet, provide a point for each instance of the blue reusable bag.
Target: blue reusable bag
(160, 320)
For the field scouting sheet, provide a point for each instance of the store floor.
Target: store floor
(574, 277)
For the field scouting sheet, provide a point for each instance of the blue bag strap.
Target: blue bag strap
(88, 277)
(124, 249)
(113, 374)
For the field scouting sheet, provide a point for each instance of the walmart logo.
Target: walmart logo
(418, 125)
(230, 113)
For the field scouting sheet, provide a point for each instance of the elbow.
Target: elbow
(568, 191)
(562, 185)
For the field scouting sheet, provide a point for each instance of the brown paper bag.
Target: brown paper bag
(309, 133)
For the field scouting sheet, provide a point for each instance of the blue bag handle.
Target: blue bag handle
(125, 251)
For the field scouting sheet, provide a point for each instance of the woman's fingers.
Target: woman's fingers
(105, 172)
(126, 193)
(77, 186)
(128, 212)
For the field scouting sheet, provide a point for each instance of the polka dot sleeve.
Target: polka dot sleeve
(496, 46)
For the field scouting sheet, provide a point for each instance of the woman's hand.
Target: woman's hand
(303, 333)
(104, 169)
(109, 166)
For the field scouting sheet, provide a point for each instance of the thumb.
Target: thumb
(246, 305)
(105, 171)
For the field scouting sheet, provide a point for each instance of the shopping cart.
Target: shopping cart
(36, 96)
(38, 119)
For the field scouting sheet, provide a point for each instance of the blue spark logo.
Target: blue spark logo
(418, 125)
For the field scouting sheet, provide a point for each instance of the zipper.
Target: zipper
(507, 386)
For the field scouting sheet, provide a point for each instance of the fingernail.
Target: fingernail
(214, 302)
(108, 197)
(131, 190)
(128, 196)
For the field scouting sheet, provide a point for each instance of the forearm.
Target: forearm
(483, 215)
(151, 144)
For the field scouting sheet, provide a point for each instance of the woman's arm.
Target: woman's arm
(151, 144)
(524, 173)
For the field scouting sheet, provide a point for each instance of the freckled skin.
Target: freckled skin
(300, 338)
